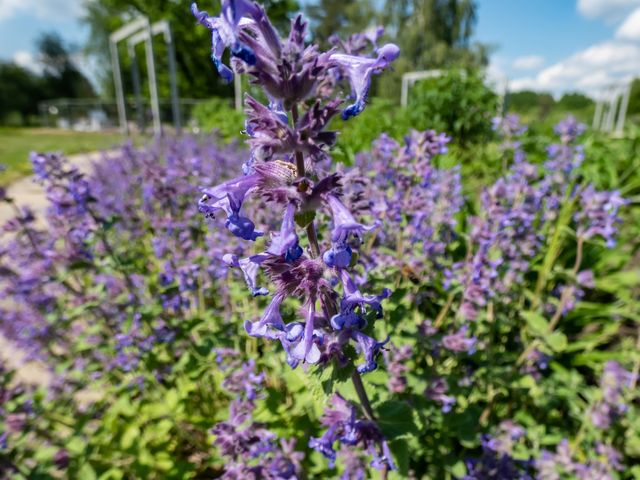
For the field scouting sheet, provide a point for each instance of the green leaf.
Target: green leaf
(396, 419)
(400, 451)
(87, 472)
(557, 341)
(305, 218)
(112, 474)
(536, 322)
(129, 436)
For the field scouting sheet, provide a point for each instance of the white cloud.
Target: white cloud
(44, 9)
(27, 60)
(528, 62)
(589, 70)
(611, 11)
(630, 28)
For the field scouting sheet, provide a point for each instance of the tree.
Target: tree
(434, 33)
(197, 77)
(574, 101)
(20, 92)
(523, 101)
(61, 78)
(341, 17)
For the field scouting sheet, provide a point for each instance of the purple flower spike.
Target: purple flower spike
(437, 391)
(344, 427)
(359, 71)
(569, 129)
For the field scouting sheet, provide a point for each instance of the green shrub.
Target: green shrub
(217, 114)
(458, 103)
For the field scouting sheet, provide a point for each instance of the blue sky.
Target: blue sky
(554, 45)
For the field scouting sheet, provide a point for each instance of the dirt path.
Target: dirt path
(29, 193)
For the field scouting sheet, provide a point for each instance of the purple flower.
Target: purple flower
(344, 427)
(226, 29)
(343, 222)
(250, 267)
(359, 71)
(286, 243)
(61, 459)
(305, 348)
(397, 367)
(459, 342)
(586, 279)
(229, 197)
(271, 324)
(437, 390)
(509, 126)
(598, 214)
(569, 129)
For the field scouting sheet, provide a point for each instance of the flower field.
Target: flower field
(258, 309)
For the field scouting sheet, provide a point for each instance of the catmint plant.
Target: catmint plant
(289, 140)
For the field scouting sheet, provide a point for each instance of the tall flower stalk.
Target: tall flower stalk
(289, 169)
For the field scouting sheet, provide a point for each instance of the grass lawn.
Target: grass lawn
(17, 143)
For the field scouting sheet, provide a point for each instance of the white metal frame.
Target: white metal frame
(410, 78)
(140, 24)
(613, 103)
(158, 28)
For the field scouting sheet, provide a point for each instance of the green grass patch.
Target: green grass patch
(17, 143)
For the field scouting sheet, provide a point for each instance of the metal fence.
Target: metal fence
(94, 115)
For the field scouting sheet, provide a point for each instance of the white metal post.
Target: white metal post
(237, 87)
(173, 78)
(611, 114)
(622, 113)
(116, 37)
(597, 115)
(117, 79)
(135, 77)
(153, 86)
(164, 28)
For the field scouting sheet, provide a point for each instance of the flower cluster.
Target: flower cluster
(599, 215)
(497, 459)
(552, 465)
(417, 201)
(396, 359)
(289, 144)
(288, 138)
(613, 383)
(345, 427)
(94, 251)
(250, 450)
